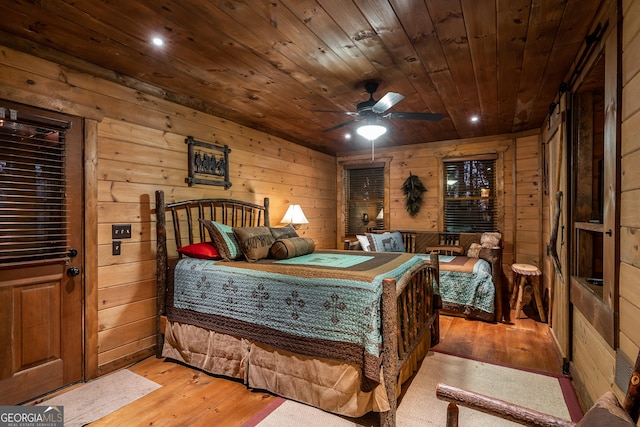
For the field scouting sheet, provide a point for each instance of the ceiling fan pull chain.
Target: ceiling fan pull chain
(372, 150)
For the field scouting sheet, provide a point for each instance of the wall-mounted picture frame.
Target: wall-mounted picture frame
(208, 163)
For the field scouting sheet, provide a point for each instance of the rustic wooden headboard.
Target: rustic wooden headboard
(188, 229)
(185, 214)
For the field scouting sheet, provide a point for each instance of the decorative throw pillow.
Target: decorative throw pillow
(223, 239)
(203, 250)
(364, 242)
(474, 250)
(489, 254)
(289, 248)
(286, 232)
(254, 242)
(606, 412)
(386, 242)
(490, 240)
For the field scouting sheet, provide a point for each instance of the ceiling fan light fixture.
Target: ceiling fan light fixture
(371, 131)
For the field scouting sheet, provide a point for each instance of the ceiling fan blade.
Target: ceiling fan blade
(434, 117)
(349, 113)
(340, 125)
(386, 102)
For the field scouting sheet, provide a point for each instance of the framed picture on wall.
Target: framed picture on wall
(208, 163)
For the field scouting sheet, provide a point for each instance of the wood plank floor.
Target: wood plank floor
(525, 344)
(190, 397)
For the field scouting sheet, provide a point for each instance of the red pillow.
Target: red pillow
(203, 250)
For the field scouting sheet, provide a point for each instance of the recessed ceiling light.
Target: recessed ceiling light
(347, 136)
(475, 119)
(157, 41)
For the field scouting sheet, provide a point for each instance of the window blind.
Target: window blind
(364, 194)
(33, 218)
(469, 195)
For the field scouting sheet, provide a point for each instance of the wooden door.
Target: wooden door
(559, 316)
(41, 252)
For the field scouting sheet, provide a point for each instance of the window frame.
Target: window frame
(363, 188)
(500, 154)
(493, 195)
(341, 205)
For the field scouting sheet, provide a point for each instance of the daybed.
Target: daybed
(341, 337)
(470, 267)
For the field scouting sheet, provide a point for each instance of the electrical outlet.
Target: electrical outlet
(116, 246)
(121, 231)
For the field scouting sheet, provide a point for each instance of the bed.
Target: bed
(467, 287)
(470, 264)
(333, 329)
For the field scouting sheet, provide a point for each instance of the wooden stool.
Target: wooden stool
(521, 294)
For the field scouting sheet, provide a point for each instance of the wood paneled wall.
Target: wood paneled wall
(629, 284)
(135, 145)
(593, 361)
(528, 215)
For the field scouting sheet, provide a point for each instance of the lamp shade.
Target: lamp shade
(294, 216)
(371, 132)
(380, 220)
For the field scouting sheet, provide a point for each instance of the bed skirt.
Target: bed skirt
(323, 383)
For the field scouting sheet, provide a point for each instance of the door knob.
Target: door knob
(73, 271)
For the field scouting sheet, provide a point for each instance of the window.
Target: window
(32, 189)
(364, 196)
(593, 193)
(469, 194)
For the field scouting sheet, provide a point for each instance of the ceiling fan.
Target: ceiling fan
(373, 111)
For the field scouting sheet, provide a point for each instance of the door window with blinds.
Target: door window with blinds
(364, 196)
(33, 220)
(469, 194)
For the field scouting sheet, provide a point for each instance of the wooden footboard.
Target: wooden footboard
(407, 315)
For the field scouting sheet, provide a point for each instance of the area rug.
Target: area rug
(100, 397)
(420, 406)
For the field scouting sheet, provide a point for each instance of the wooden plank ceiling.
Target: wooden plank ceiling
(270, 64)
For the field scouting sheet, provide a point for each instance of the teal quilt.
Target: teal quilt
(324, 304)
(466, 286)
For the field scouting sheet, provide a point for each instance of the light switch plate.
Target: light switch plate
(121, 231)
(116, 246)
